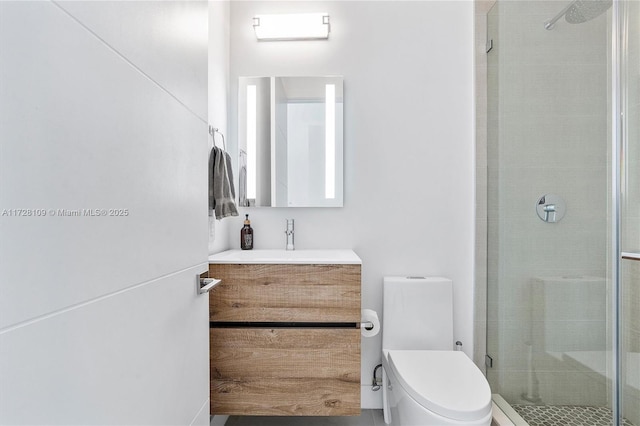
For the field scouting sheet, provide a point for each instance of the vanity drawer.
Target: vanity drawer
(285, 293)
(285, 371)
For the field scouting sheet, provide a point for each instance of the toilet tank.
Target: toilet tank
(417, 313)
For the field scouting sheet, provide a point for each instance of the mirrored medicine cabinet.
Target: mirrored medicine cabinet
(290, 141)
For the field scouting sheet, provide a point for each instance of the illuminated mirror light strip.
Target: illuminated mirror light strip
(252, 137)
(330, 142)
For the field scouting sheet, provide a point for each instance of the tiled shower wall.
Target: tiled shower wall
(546, 134)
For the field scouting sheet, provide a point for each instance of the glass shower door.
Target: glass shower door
(549, 319)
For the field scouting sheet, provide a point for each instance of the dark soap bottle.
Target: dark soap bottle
(246, 235)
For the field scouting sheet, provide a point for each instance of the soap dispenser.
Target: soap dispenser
(246, 235)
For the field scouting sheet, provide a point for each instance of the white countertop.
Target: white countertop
(308, 257)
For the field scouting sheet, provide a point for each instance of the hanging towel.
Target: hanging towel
(221, 189)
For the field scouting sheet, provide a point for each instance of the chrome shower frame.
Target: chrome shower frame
(618, 137)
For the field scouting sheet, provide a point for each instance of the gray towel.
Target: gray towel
(221, 189)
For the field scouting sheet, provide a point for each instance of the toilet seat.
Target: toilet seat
(447, 383)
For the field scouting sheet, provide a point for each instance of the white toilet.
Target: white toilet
(425, 382)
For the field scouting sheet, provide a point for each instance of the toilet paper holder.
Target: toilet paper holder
(367, 325)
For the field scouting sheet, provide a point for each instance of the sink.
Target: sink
(309, 257)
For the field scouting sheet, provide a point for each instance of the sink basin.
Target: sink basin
(309, 257)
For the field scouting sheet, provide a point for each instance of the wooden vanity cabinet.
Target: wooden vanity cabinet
(285, 339)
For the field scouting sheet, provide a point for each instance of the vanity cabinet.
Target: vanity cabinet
(285, 339)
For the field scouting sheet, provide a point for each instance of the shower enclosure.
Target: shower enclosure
(562, 213)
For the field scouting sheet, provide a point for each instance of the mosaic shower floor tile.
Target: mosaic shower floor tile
(566, 415)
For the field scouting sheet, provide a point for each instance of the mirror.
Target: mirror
(290, 141)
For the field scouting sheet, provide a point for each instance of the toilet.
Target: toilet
(426, 382)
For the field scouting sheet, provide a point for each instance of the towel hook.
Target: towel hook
(212, 132)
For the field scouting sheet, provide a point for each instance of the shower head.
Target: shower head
(585, 10)
(579, 11)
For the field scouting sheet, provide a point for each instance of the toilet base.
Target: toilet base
(400, 409)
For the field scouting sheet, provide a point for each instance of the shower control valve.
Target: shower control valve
(550, 208)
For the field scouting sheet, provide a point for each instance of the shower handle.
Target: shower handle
(549, 212)
(551, 208)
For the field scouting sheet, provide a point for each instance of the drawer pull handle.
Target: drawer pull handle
(207, 284)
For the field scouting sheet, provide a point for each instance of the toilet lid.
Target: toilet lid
(445, 382)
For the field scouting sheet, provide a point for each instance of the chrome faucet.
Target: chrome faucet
(289, 233)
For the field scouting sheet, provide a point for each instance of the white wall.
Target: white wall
(409, 150)
(218, 98)
(103, 106)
